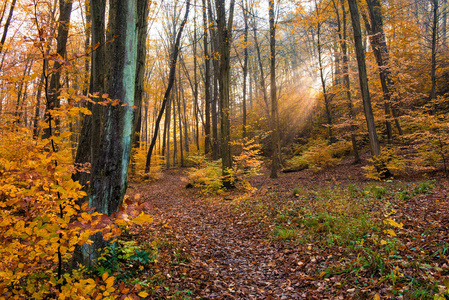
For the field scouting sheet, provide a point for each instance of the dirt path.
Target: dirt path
(206, 249)
(221, 255)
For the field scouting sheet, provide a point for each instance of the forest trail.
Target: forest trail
(220, 254)
(208, 248)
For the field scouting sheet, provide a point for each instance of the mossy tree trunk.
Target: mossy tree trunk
(109, 173)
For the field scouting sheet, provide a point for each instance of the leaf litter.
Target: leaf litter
(252, 248)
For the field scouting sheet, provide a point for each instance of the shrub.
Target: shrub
(42, 221)
(384, 165)
(319, 155)
(248, 162)
(206, 174)
(137, 166)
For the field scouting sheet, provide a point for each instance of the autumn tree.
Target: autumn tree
(171, 79)
(224, 28)
(109, 172)
(360, 53)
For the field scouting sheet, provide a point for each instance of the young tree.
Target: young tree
(207, 98)
(274, 100)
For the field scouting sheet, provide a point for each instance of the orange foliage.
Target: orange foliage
(42, 220)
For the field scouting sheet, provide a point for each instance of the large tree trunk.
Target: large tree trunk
(110, 167)
(360, 52)
(225, 38)
(274, 101)
(88, 145)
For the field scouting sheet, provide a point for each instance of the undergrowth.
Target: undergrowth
(207, 175)
(319, 155)
(362, 222)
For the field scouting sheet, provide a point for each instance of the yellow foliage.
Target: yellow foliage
(384, 165)
(41, 221)
(137, 167)
(320, 155)
(206, 175)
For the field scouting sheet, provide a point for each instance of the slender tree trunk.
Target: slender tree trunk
(65, 11)
(143, 6)
(195, 82)
(171, 79)
(433, 91)
(360, 52)
(6, 26)
(274, 101)
(180, 125)
(245, 63)
(186, 125)
(346, 80)
(214, 114)
(259, 60)
(323, 80)
(379, 46)
(175, 100)
(167, 129)
(207, 96)
(444, 29)
(20, 90)
(207, 99)
(38, 107)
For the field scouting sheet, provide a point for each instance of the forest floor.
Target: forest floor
(327, 235)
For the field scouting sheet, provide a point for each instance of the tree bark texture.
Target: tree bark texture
(224, 29)
(110, 167)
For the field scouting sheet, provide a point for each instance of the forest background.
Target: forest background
(94, 93)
